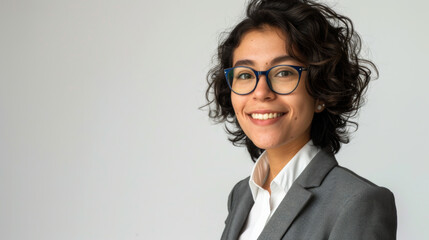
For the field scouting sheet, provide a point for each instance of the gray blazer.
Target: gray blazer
(326, 201)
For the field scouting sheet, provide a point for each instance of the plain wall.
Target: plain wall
(101, 136)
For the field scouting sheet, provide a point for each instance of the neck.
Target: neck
(279, 157)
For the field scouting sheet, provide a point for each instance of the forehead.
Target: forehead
(261, 46)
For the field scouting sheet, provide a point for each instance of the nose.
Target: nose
(262, 91)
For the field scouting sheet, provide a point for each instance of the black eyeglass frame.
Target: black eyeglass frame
(299, 69)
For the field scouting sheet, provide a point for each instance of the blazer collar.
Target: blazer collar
(298, 196)
(317, 169)
(293, 203)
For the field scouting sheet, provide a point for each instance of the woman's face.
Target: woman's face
(261, 49)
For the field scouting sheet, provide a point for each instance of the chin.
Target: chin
(266, 143)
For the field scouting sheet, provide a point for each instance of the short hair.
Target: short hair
(318, 37)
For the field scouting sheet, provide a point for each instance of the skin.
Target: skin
(282, 138)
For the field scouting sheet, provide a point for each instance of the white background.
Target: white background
(101, 136)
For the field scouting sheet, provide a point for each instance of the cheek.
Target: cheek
(236, 104)
(302, 113)
(305, 118)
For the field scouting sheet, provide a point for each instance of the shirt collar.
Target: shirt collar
(259, 174)
(287, 175)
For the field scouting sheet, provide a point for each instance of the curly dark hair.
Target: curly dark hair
(318, 37)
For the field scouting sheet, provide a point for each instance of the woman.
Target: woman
(289, 78)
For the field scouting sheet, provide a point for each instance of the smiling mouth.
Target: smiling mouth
(265, 116)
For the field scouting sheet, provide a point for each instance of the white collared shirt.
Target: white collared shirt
(265, 205)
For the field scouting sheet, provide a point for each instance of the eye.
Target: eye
(284, 74)
(244, 76)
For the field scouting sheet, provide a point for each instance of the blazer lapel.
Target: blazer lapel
(291, 205)
(298, 196)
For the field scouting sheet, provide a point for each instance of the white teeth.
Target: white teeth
(266, 115)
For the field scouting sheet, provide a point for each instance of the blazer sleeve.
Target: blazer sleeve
(230, 203)
(369, 215)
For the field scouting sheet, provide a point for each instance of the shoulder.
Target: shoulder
(238, 190)
(334, 183)
(351, 206)
(338, 187)
(347, 181)
(241, 185)
(361, 208)
(352, 193)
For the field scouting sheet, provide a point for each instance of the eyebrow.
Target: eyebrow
(275, 61)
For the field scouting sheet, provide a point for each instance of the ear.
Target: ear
(319, 106)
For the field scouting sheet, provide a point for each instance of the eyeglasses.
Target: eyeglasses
(281, 79)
